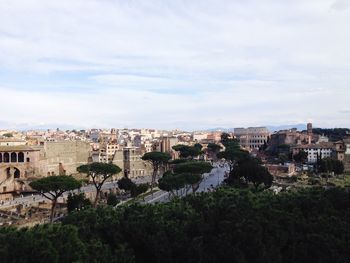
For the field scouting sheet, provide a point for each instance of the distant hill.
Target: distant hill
(300, 127)
(271, 128)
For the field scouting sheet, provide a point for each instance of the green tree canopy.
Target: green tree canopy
(171, 182)
(53, 187)
(112, 199)
(250, 171)
(136, 190)
(328, 165)
(158, 161)
(213, 149)
(187, 151)
(76, 202)
(193, 167)
(228, 225)
(8, 135)
(233, 153)
(99, 173)
(193, 171)
(300, 157)
(225, 138)
(125, 184)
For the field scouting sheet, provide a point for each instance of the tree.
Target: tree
(158, 161)
(338, 167)
(171, 182)
(232, 153)
(125, 184)
(53, 187)
(8, 135)
(99, 173)
(188, 151)
(300, 157)
(303, 225)
(112, 199)
(193, 172)
(136, 190)
(76, 202)
(282, 158)
(213, 149)
(250, 171)
(334, 135)
(225, 138)
(328, 165)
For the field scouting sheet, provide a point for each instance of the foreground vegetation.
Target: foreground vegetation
(228, 225)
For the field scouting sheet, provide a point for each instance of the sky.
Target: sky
(170, 64)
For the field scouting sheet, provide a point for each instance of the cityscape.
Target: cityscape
(174, 131)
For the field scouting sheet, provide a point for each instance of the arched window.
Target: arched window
(6, 158)
(13, 157)
(20, 157)
(17, 173)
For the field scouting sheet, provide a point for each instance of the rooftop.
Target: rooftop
(18, 148)
(322, 145)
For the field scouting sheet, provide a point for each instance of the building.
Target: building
(198, 136)
(133, 165)
(12, 142)
(285, 137)
(107, 152)
(252, 138)
(18, 164)
(62, 157)
(316, 152)
(167, 143)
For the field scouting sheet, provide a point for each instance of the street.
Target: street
(210, 181)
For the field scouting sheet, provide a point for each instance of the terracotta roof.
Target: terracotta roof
(324, 145)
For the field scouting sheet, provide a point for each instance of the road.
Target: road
(210, 181)
(213, 179)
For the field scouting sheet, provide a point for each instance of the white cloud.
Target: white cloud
(175, 63)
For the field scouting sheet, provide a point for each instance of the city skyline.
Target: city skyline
(168, 65)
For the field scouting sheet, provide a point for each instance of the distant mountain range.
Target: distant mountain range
(271, 128)
(26, 126)
(300, 127)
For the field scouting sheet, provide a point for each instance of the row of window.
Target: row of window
(257, 141)
(12, 157)
(137, 172)
(321, 150)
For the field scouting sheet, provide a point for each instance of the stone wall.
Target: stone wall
(63, 157)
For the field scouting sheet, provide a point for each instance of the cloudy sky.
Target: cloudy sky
(174, 63)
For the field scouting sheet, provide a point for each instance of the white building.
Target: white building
(316, 151)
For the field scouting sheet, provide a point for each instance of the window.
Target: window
(14, 157)
(20, 157)
(6, 158)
